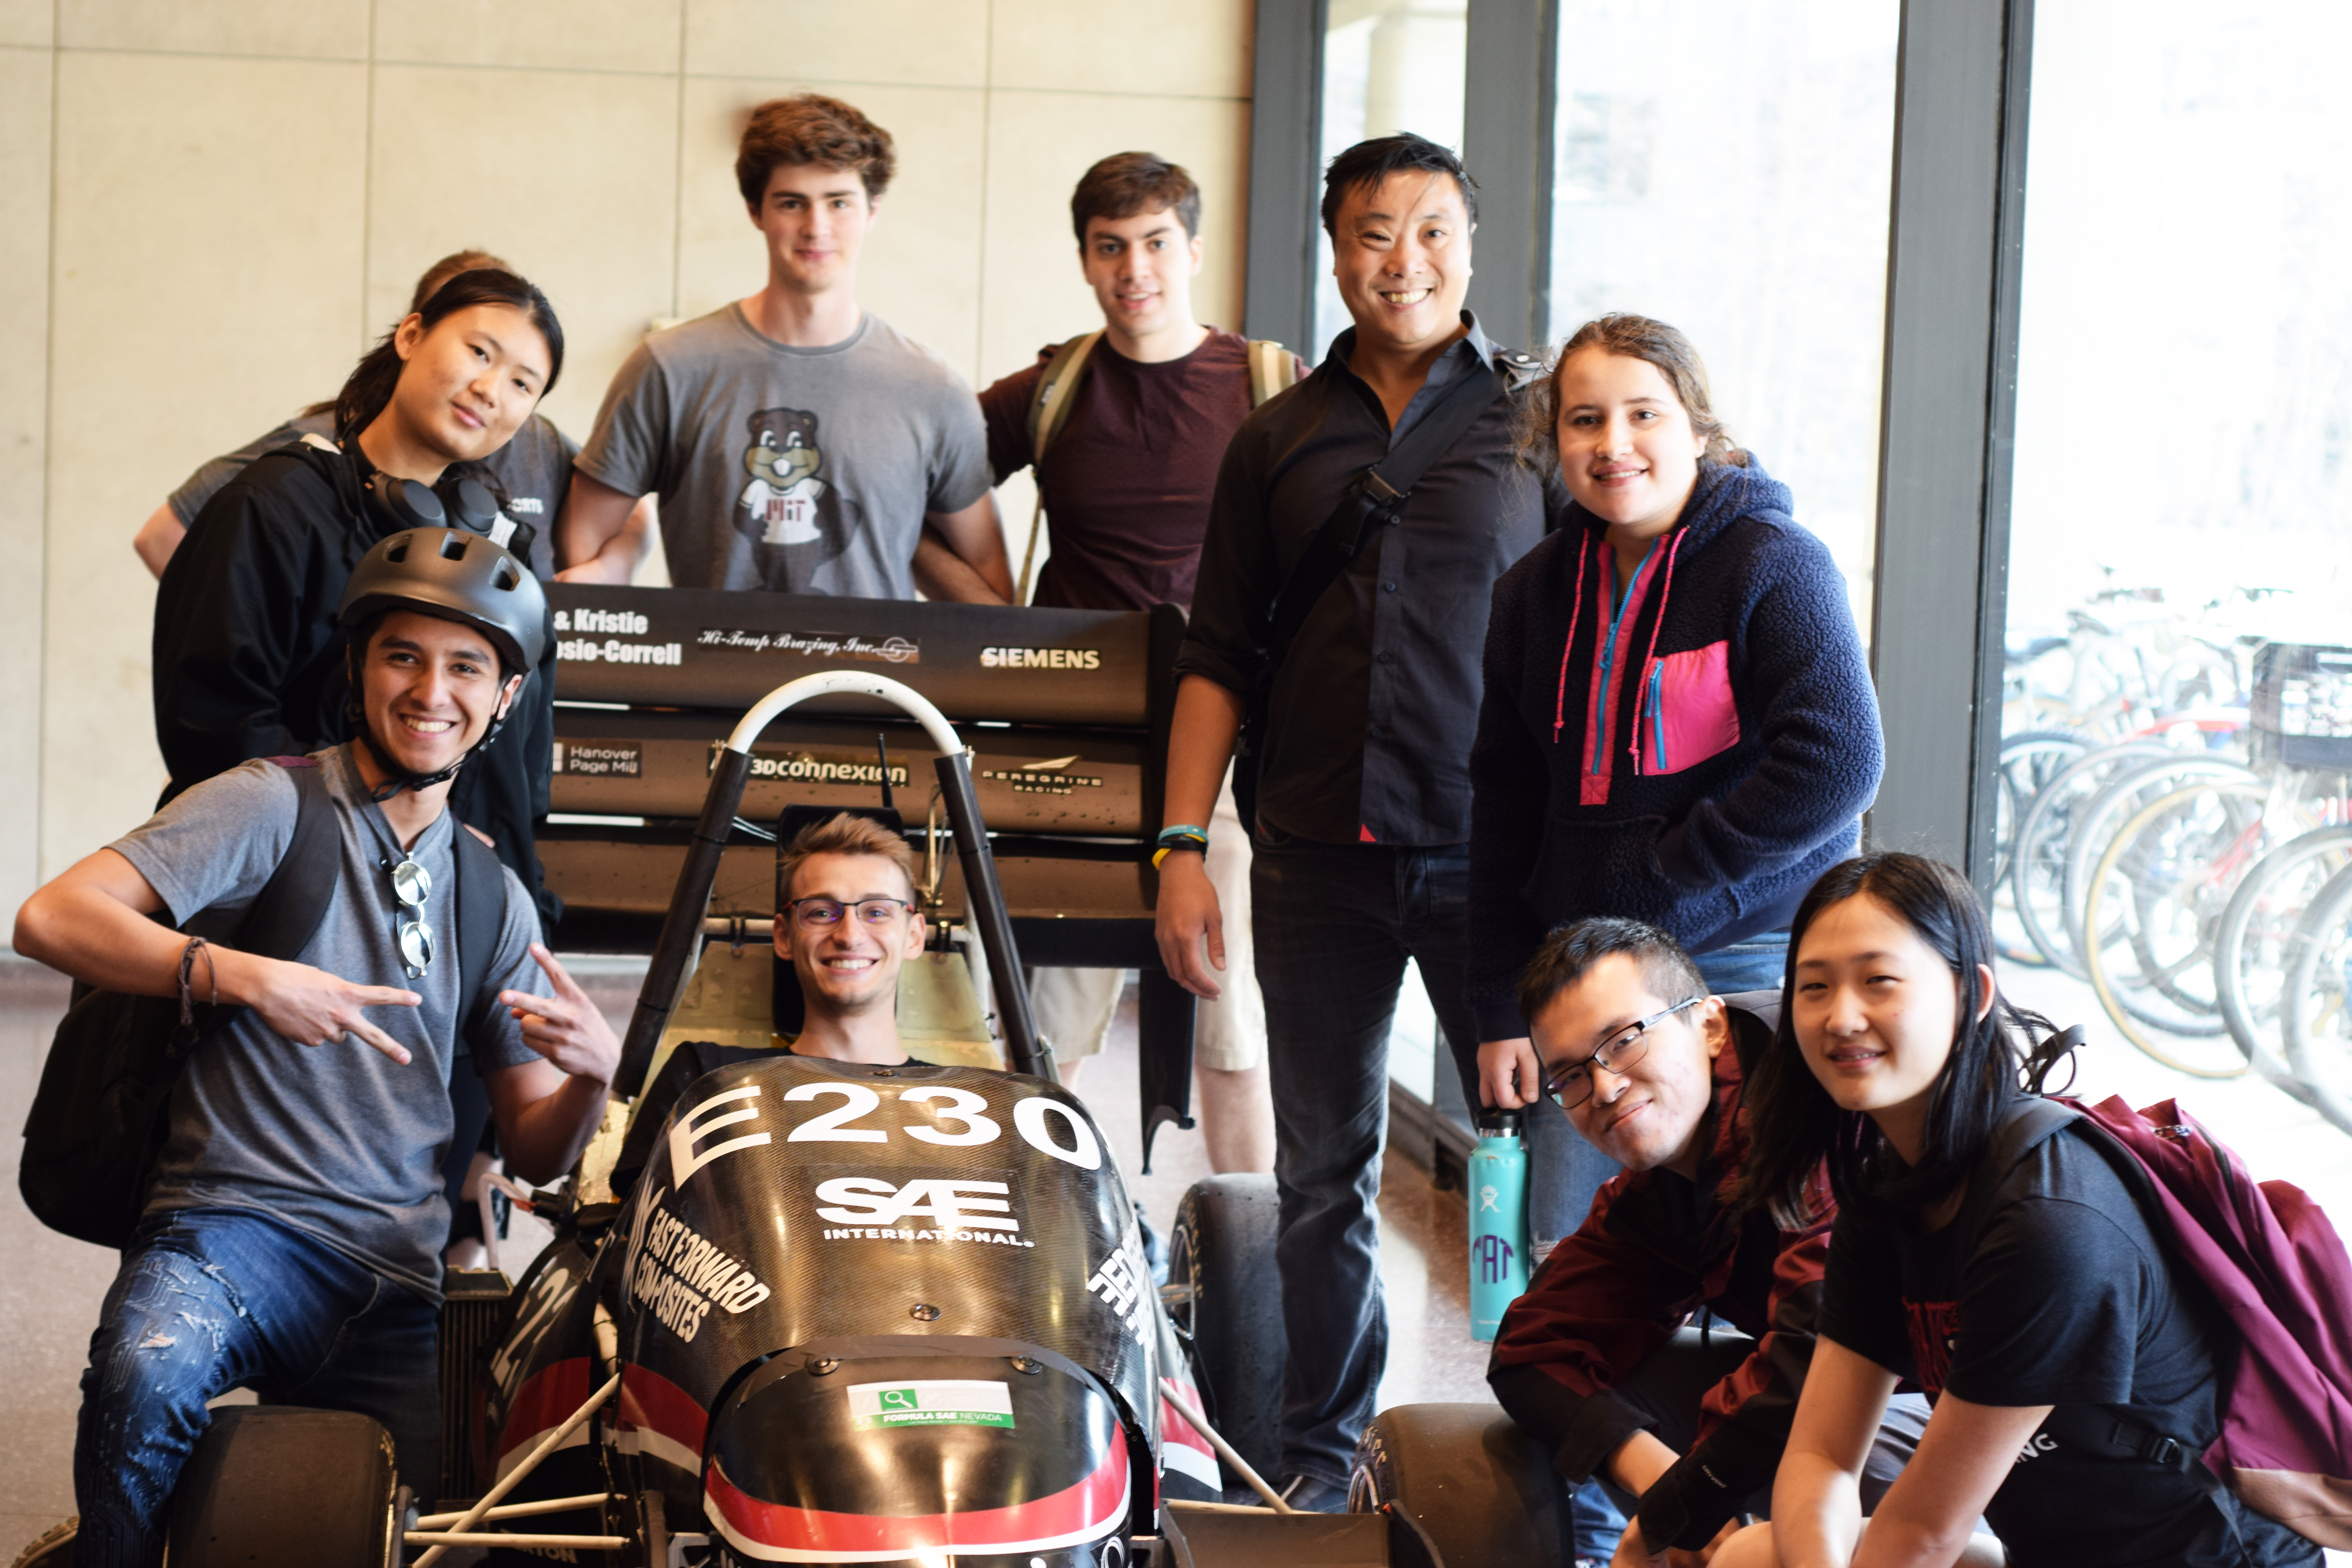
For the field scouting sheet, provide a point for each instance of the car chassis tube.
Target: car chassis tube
(681, 932)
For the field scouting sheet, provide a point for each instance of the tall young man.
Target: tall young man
(1685, 1427)
(294, 1220)
(1363, 788)
(1125, 483)
(798, 442)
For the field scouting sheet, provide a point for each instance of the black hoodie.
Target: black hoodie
(248, 659)
(1695, 759)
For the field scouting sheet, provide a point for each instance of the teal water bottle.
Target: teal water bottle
(1498, 1221)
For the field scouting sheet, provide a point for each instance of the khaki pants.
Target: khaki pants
(1075, 1006)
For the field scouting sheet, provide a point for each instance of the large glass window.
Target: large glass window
(1388, 66)
(1727, 168)
(2178, 705)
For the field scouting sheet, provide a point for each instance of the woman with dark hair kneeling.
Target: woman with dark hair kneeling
(248, 659)
(1896, 1060)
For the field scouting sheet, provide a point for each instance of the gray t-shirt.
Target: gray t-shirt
(336, 1141)
(797, 470)
(535, 467)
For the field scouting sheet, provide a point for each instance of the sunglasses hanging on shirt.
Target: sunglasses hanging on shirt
(412, 885)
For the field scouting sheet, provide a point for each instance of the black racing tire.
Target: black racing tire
(276, 1487)
(1465, 1486)
(1225, 1302)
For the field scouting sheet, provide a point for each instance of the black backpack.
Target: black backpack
(102, 1111)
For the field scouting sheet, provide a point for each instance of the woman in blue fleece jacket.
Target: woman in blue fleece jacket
(1678, 723)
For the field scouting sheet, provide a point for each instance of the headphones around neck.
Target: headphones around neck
(456, 502)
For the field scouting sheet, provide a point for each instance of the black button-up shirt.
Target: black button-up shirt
(1371, 717)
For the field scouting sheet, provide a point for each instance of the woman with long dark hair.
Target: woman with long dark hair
(2035, 1304)
(248, 661)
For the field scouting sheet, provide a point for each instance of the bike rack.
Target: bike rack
(682, 925)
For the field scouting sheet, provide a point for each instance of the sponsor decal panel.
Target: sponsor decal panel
(812, 644)
(958, 1209)
(1051, 776)
(785, 764)
(679, 1274)
(1041, 659)
(601, 759)
(595, 637)
(930, 1402)
(1124, 1283)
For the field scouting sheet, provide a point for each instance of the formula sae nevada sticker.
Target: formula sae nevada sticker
(930, 1402)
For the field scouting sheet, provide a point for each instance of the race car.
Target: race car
(812, 1311)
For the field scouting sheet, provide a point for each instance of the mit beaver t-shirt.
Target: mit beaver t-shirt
(2065, 1298)
(799, 470)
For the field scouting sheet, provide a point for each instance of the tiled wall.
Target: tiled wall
(208, 207)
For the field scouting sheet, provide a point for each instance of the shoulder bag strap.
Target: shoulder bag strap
(1376, 500)
(1049, 410)
(481, 915)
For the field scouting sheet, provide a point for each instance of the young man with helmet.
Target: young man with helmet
(294, 1219)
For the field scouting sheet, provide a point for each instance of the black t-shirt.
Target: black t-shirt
(2065, 1298)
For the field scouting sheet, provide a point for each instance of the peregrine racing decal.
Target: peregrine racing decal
(787, 504)
(1050, 777)
(1040, 658)
(812, 644)
(930, 1402)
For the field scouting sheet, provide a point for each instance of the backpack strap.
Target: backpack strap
(481, 915)
(1271, 368)
(286, 913)
(1049, 410)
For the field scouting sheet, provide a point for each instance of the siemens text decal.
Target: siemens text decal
(1040, 658)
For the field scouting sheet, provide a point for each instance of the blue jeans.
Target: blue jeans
(1334, 925)
(211, 1299)
(1759, 964)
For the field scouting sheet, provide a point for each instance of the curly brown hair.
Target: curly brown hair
(842, 835)
(810, 127)
(1629, 337)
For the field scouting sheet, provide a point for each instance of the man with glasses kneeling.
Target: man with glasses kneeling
(1661, 1347)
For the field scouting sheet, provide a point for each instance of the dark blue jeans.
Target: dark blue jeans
(211, 1299)
(1333, 926)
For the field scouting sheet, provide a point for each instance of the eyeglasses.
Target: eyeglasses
(412, 885)
(822, 914)
(1571, 1086)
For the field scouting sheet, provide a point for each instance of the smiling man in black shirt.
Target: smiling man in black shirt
(1362, 760)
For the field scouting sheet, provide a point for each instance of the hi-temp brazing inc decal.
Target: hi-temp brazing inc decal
(812, 644)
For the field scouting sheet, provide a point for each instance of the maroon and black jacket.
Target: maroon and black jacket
(1655, 1249)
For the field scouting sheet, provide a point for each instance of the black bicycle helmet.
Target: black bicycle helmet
(458, 576)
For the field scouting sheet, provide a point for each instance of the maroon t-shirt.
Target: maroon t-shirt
(1127, 482)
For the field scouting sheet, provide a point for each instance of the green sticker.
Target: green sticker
(930, 1402)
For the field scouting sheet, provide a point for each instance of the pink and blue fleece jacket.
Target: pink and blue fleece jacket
(1693, 754)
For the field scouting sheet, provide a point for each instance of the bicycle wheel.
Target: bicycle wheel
(2028, 762)
(2318, 1028)
(2251, 946)
(2167, 876)
(2095, 824)
(2038, 863)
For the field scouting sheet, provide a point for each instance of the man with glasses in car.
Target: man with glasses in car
(1660, 1349)
(847, 923)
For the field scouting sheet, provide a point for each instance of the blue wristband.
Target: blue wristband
(1183, 830)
